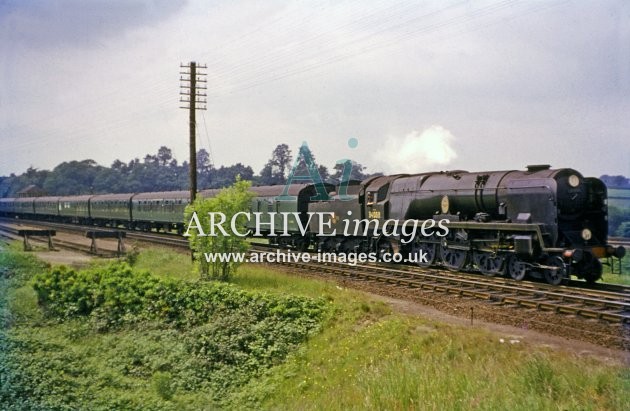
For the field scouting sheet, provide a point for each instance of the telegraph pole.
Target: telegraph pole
(193, 100)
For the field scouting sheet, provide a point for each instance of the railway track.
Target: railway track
(607, 302)
(600, 317)
(574, 287)
(11, 234)
(597, 304)
(619, 241)
(171, 240)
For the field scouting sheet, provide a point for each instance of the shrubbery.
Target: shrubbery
(180, 337)
(117, 295)
(623, 230)
(229, 202)
(619, 221)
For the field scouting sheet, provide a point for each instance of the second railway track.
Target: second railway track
(607, 303)
(608, 306)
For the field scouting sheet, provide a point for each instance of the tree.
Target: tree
(74, 177)
(204, 162)
(164, 156)
(282, 159)
(623, 230)
(32, 176)
(323, 171)
(118, 165)
(226, 176)
(616, 218)
(306, 160)
(615, 181)
(204, 168)
(355, 174)
(159, 172)
(150, 159)
(227, 203)
(275, 171)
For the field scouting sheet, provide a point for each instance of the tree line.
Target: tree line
(615, 181)
(159, 172)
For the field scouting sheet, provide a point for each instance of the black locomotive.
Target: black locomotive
(540, 222)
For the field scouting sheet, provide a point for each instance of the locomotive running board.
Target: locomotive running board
(514, 227)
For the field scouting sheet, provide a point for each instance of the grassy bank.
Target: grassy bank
(623, 278)
(361, 356)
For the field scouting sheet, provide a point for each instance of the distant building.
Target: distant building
(31, 191)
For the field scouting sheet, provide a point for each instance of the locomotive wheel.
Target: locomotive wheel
(302, 244)
(384, 248)
(555, 275)
(453, 259)
(349, 246)
(516, 268)
(489, 264)
(283, 242)
(428, 249)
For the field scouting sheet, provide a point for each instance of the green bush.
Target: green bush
(115, 291)
(623, 230)
(116, 295)
(227, 335)
(617, 217)
(230, 202)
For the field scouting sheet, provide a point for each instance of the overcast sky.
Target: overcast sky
(421, 85)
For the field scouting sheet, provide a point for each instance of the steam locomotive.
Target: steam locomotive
(542, 222)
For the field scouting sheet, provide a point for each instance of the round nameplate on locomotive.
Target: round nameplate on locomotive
(444, 205)
(574, 180)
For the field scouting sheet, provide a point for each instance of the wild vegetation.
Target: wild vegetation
(159, 339)
(229, 202)
(117, 337)
(619, 221)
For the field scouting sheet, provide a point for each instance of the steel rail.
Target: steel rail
(584, 306)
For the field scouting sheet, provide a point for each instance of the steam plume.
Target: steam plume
(418, 152)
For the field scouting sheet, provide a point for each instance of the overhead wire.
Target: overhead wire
(296, 65)
(367, 46)
(338, 58)
(266, 58)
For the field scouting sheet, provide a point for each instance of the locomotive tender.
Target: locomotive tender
(540, 222)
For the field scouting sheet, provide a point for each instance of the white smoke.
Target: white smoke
(417, 152)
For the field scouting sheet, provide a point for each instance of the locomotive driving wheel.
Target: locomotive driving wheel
(489, 264)
(384, 247)
(516, 268)
(454, 255)
(557, 271)
(428, 250)
(302, 244)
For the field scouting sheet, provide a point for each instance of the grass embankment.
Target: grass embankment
(624, 277)
(130, 354)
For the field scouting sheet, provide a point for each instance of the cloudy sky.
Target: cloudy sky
(421, 85)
